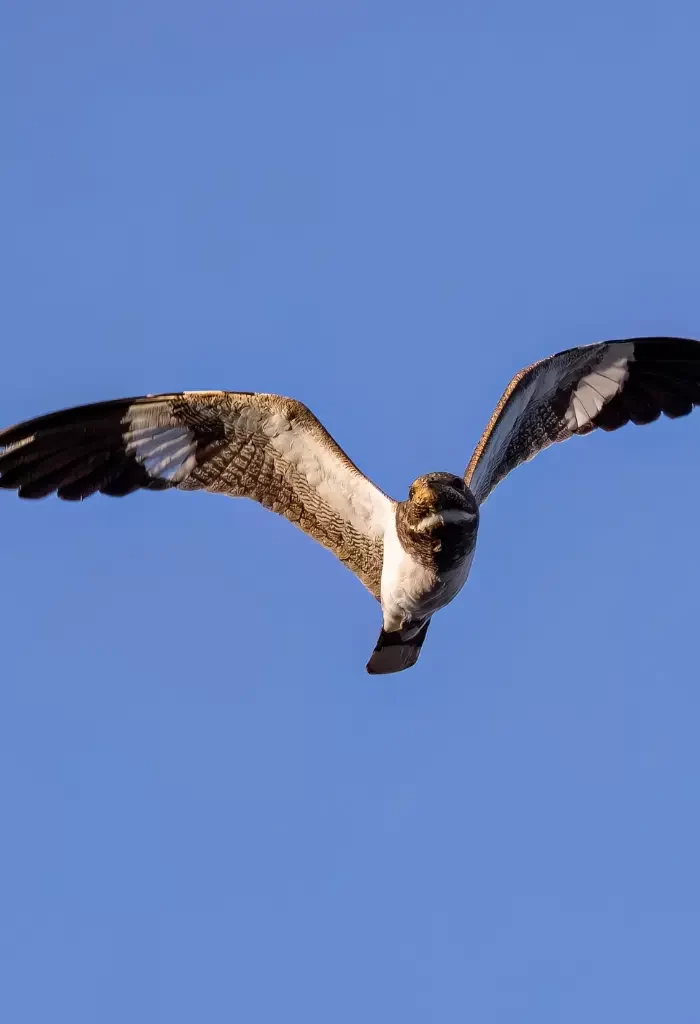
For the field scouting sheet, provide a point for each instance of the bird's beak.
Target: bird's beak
(425, 496)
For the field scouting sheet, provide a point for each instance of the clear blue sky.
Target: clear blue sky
(209, 812)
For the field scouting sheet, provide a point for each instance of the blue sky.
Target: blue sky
(384, 209)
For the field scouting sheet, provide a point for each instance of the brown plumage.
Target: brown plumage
(445, 543)
(414, 556)
(654, 376)
(264, 447)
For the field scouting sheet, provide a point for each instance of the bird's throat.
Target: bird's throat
(438, 538)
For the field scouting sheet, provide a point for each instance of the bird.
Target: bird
(414, 556)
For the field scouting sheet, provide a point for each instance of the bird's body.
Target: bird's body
(414, 584)
(414, 556)
(428, 550)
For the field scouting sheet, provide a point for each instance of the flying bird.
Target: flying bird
(414, 555)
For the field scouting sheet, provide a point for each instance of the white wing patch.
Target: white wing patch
(540, 385)
(167, 451)
(599, 386)
(14, 445)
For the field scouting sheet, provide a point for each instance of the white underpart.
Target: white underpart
(346, 491)
(599, 386)
(450, 515)
(409, 591)
(166, 451)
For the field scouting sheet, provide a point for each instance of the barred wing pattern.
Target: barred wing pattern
(265, 447)
(574, 392)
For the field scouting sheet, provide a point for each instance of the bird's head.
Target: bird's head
(437, 500)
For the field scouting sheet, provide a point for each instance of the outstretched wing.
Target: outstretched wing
(574, 392)
(264, 447)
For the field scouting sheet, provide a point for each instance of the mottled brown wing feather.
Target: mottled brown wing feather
(574, 392)
(265, 447)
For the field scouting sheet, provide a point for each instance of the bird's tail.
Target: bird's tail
(394, 652)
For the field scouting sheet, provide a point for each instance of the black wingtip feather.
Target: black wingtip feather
(79, 417)
(667, 350)
(74, 452)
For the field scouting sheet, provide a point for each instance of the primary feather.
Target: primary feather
(576, 391)
(265, 447)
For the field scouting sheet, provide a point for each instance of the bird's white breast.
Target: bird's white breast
(409, 590)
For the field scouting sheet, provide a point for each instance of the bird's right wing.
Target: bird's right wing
(574, 392)
(265, 447)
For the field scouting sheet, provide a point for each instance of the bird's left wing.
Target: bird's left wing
(604, 385)
(265, 447)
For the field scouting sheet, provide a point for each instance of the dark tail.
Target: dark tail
(393, 653)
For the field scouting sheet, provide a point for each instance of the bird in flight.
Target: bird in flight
(414, 555)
